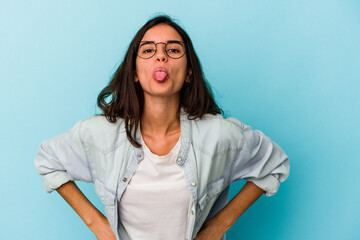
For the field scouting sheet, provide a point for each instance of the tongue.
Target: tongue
(160, 76)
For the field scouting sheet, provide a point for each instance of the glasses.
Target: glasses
(173, 49)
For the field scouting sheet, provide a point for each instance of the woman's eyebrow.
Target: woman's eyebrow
(145, 42)
(174, 41)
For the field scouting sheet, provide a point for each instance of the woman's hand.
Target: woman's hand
(102, 230)
(211, 230)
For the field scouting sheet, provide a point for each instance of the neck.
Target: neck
(160, 116)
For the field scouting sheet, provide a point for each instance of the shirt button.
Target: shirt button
(192, 212)
(207, 197)
(139, 155)
(125, 179)
(179, 159)
(193, 184)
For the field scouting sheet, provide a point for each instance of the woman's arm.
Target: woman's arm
(217, 226)
(92, 217)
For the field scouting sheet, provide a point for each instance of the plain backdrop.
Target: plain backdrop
(288, 68)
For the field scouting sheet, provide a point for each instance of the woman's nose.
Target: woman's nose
(160, 54)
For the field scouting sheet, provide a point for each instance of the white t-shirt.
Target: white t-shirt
(156, 201)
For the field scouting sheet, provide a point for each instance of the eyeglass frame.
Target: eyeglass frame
(138, 45)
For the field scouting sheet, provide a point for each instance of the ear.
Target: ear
(188, 75)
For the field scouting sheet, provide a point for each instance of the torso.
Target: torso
(156, 201)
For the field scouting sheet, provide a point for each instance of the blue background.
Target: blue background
(288, 68)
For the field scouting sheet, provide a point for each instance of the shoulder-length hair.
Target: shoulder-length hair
(124, 98)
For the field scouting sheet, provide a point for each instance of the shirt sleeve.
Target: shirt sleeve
(62, 159)
(260, 161)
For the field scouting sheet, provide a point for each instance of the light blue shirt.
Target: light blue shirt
(214, 153)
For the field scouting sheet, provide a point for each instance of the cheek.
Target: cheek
(141, 69)
(181, 70)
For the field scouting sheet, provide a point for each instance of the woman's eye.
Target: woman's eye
(173, 50)
(148, 50)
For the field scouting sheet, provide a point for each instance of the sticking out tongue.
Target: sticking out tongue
(160, 76)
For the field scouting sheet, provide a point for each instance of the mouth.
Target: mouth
(160, 74)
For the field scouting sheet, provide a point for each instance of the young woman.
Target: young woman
(161, 156)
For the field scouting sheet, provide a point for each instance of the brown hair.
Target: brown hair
(126, 98)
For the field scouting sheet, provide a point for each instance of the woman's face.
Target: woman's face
(161, 75)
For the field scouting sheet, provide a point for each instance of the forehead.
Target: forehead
(161, 33)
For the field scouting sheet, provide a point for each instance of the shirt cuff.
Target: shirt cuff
(54, 180)
(269, 184)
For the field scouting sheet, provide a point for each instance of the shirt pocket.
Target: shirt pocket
(212, 190)
(206, 201)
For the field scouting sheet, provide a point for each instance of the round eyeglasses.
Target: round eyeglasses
(173, 49)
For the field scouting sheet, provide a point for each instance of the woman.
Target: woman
(161, 156)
